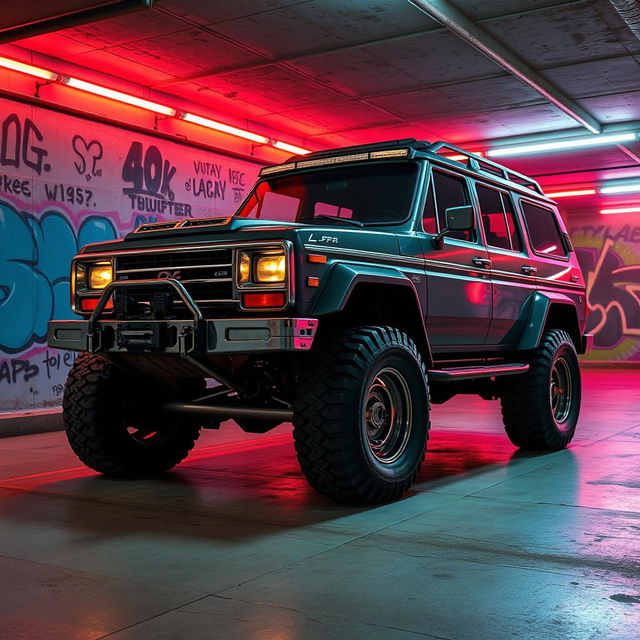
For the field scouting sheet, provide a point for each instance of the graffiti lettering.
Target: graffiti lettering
(238, 195)
(88, 155)
(207, 168)
(236, 178)
(612, 294)
(150, 177)
(626, 232)
(612, 275)
(162, 207)
(209, 189)
(71, 195)
(17, 370)
(55, 360)
(35, 255)
(17, 145)
(15, 186)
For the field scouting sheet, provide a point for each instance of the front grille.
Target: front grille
(207, 274)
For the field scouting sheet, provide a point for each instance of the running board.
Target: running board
(470, 373)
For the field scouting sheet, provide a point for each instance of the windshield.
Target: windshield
(379, 193)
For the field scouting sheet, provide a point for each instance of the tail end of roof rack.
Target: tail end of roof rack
(486, 166)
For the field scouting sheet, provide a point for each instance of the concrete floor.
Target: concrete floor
(491, 543)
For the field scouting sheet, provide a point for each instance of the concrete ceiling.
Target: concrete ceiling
(341, 72)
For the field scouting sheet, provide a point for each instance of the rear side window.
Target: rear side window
(451, 191)
(497, 219)
(543, 230)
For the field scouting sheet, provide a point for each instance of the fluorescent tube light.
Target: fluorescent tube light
(119, 96)
(562, 145)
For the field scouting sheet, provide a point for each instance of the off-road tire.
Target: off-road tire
(100, 402)
(330, 429)
(526, 400)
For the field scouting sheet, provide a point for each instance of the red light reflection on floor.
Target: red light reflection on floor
(266, 470)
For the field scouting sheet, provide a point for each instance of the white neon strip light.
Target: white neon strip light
(29, 69)
(621, 188)
(285, 146)
(568, 194)
(606, 212)
(225, 128)
(562, 145)
(118, 96)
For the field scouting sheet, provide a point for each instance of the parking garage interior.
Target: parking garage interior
(121, 114)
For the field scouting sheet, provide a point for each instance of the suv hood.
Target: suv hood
(195, 231)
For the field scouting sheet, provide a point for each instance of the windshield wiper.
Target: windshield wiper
(326, 216)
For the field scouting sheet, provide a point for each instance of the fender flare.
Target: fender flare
(344, 278)
(539, 305)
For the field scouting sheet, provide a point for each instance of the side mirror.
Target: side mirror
(456, 219)
(460, 218)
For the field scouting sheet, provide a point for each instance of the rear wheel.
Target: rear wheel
(113, 424)
(540, 408)
(361, 417)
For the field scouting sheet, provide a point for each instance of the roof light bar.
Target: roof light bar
(562, 145)
(285, 146)
(225, 128)
(622, 188)
(568, 194)
(29, 69)
(606, 212)
(320, 162)
(118, 96)
(389, 153)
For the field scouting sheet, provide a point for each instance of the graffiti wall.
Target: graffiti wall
(66, 182)
(608, 248)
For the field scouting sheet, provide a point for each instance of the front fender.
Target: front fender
(343, 278)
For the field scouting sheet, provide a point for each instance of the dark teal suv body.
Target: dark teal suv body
(351, 288)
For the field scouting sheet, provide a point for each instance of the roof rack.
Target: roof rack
(361, 148)
(486, 166)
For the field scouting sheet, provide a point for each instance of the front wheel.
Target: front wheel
(361, 416)
(540, 408)
(113, 423)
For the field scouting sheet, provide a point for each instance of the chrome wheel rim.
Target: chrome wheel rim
(560, 390)
(387, 416)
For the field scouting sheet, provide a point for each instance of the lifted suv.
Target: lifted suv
(352, 288)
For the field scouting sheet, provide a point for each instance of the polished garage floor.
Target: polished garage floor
(233, 545)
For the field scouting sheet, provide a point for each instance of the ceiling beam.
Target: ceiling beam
(313, 53)
(470, 32)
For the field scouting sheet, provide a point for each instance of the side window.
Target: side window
(498, 218)
(494, 221)
(543, 230)
(429, 223)
(451, 191)
(516, 243)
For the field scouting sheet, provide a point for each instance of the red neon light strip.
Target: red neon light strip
(149, 105)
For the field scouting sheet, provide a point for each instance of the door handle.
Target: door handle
(529, 270)
(481, 262)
